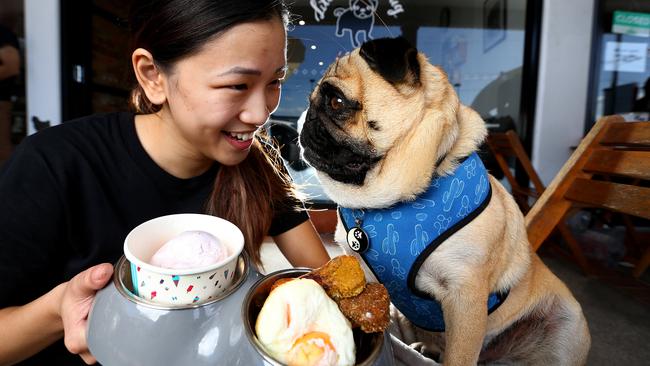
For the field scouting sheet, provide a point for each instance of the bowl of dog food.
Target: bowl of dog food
(304, 317)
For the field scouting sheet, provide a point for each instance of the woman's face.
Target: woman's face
(219, 97)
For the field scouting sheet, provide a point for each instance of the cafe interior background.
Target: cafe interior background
(546, 69)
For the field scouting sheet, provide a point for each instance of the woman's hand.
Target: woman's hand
(75, 306)
(63, 311)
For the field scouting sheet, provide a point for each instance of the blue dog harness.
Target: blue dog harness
(395, 241)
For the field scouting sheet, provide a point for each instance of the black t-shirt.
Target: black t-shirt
(70, 194)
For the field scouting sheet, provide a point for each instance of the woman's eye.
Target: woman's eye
(239, 87)
(336, 103)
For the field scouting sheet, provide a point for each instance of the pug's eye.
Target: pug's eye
(336, 103)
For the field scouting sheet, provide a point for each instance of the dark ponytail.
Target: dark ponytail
(247, 194)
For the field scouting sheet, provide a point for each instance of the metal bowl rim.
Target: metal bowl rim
(243, 267)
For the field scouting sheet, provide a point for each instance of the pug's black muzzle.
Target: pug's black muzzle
(330, 150)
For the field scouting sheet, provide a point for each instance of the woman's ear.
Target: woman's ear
(150, 78)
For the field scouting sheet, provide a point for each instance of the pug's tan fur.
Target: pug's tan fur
(419, 124)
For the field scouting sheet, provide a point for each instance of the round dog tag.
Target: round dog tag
(357, 239)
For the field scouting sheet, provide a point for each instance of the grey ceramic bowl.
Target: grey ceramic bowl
(125, 330)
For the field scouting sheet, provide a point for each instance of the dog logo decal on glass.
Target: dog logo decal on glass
(358, 20)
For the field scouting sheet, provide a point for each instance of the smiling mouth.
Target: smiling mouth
(240, 136)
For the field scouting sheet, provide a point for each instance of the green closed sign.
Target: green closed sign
(631, 23)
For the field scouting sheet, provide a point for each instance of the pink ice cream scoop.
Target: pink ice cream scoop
(190, 249)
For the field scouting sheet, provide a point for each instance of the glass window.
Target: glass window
(623, 72)
(479, 43)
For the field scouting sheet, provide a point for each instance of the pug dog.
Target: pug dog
(396, 150)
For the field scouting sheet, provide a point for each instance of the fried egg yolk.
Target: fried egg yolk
(313, 348)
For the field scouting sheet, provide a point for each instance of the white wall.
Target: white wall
(43, 62)
(565, 50)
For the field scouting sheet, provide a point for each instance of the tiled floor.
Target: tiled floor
(617, 312)
(619, 321)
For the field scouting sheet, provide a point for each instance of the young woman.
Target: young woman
(209, 75)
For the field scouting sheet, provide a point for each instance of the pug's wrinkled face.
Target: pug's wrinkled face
(357, 111)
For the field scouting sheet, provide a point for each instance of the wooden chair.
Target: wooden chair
(610, 169)
(507, 144)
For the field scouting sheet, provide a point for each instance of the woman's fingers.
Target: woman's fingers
(86, 283)
(75, 306)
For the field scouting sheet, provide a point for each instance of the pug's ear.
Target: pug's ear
(395, 59)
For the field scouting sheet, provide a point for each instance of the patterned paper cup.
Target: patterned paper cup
(180, 286)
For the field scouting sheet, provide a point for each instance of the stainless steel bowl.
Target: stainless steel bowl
(372, 349)
(125, 330)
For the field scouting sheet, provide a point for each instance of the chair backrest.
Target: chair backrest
(609, 169)
(507, 144)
